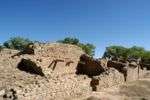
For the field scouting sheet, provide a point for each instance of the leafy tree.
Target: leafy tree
(146, 55)
(136, 52)
(116, 51)
(18, 43)
(87, 48)
(125, 53)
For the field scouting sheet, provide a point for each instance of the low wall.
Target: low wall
(135, 73)
(108, 79)
(114, 77)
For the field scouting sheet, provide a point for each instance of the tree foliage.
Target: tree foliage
(18, 43)
(87, 48)
(136, 52)
(125, 53)
(116, 51)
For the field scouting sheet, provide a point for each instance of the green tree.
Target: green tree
(125, 53)
(87, 48)
(116, 51)
(18, 43)
(136, 52)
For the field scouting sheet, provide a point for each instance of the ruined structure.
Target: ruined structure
(58, 71)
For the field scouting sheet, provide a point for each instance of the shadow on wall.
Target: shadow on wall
(30, 67)
(94, 83)
(89, 66)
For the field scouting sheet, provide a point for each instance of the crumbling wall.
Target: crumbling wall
(51, 58)
(103, 74)
(62, 66)
(131, 71)
(61, 58)
(118, 73)
(120, 67)
(106, 80)
(135, 73)
(132, 74)
(24, 73)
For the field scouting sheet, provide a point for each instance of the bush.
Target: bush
(87, 48)
(69, 40)
(18, 43)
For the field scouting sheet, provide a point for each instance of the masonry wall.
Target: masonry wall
(135, 73)
(113, 78)
(60, 82)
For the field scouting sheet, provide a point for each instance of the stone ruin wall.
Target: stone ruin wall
(114, 75)
(54, 58)
(58, 83)
(62, 81)
(134, 74)
(115, 78)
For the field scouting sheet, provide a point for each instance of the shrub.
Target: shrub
(18, 43)
(69, 40)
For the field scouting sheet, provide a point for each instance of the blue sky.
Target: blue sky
(101, 22)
